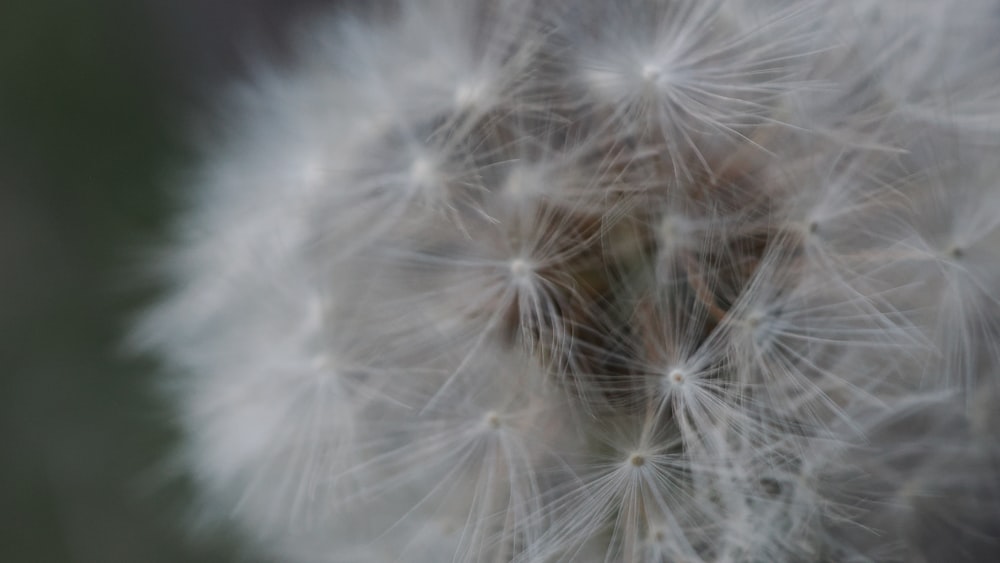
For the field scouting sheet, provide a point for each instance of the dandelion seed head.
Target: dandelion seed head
(653, 75)
(637, 459)
(423, 171)
(521, 269)
(686, 280)
(675, 378)
(493, 421)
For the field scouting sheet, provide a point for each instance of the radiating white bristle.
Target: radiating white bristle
(637, 281)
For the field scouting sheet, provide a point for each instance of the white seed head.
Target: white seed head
(636, 280)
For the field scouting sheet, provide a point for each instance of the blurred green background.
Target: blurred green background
(96, 99)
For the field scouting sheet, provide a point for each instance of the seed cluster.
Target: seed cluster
(638, 281)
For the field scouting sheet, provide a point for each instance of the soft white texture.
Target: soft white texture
(638, 281)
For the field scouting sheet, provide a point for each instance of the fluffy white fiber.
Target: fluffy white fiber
(601, 281)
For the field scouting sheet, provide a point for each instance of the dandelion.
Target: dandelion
(640, 281)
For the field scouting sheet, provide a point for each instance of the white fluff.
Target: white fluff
(637, 281)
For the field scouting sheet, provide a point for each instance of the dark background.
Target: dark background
(97, 99)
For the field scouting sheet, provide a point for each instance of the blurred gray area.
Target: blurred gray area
(96, 100)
